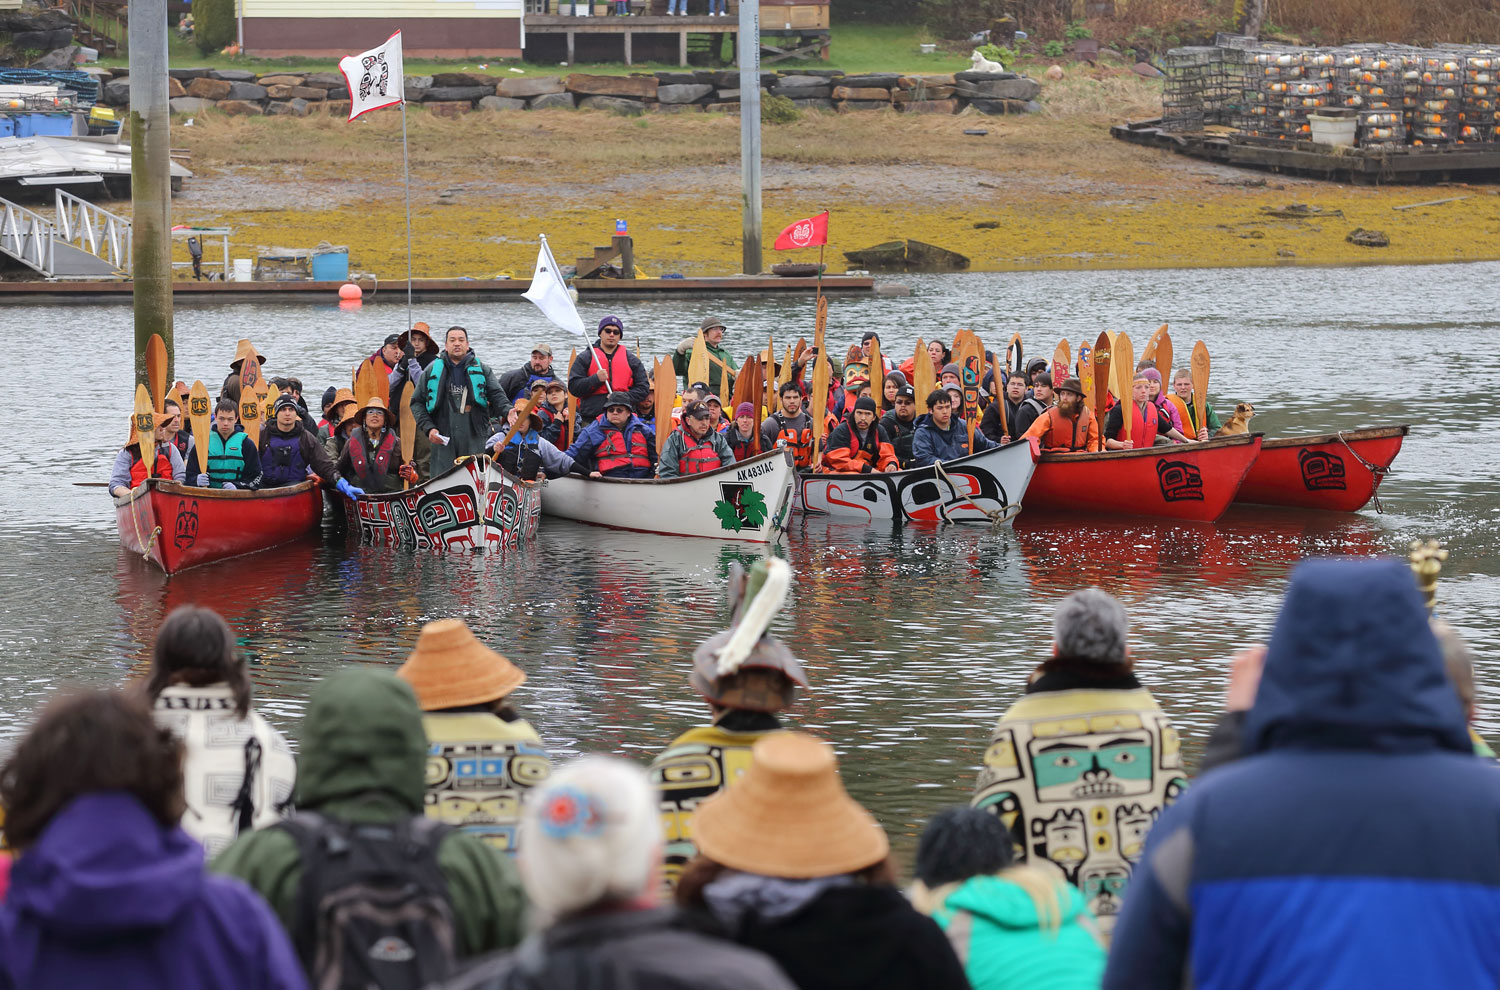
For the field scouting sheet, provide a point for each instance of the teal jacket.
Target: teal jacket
(994, 928)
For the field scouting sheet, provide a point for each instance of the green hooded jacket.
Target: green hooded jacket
(997, 934)
(682, 358)
(363, 759)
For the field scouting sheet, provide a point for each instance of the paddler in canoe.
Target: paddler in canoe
(942, 436)
(1182, 399)
(289, 454)
(900, 424)
(1068, 426)
(454, 401)
(233, 462)
(741, 433)
(617, 444)
(372, 456)
(858, 445)
(1149, 425)
(529, 454)
(790, 425)
(603, 369)
(747, 677)
(129, 470)
(720, 361)
(695, 447)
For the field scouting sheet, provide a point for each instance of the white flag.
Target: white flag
(374, 77)
(550, 293)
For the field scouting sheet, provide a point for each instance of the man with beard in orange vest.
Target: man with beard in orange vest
(1069, 425)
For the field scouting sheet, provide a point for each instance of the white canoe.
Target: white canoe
(748, 501)
(473, 506)
(965, 490)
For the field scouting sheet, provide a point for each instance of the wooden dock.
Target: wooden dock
(446, 290)
(783, 35)
(1362, 166)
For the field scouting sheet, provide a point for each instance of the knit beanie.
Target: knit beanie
(959, 843)
(866, 403)
(744, 409)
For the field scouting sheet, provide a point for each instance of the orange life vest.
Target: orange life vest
(617, 370)
(161, 469)
(800, 441)
(612, 452)
(1189, 426)
(1063, 433)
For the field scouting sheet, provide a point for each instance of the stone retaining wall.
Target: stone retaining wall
(237, 91)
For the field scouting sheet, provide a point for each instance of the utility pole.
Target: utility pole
(150, 180)
(749, 53)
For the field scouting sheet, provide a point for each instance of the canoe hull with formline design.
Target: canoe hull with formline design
(748, 501)
(1193, 482)
(1339, 472)
(965, 490)
(178, 526)
(474, 506)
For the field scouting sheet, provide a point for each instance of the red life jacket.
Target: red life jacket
(698, 456)
(612, 452)
(617, 371)
(1142, 430)
(161, 469)
(384, 451)
(801, 441)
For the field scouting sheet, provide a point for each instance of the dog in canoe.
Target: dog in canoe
(1239, 422)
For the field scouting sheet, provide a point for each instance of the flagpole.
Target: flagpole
(406, 169)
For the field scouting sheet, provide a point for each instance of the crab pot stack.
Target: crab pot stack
(1190, 74)
(1479, 103)
(1369, 81)
(1439, 113)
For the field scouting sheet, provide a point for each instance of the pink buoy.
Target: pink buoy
(351, 304)
(350, 291)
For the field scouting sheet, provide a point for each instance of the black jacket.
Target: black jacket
(512, 382)
(900, 431)
(582, 383)
(989, 424)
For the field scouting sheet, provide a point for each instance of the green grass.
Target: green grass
(854, 48)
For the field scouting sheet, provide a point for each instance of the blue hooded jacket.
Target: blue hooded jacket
(109, 898)
(928, 443)
(1357, 844)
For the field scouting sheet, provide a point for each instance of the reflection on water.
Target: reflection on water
(915, 640)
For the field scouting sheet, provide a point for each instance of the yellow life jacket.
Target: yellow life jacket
(479, 768)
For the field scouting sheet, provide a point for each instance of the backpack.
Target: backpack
(373, 908)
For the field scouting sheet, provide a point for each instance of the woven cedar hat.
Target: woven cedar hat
(789, 815)
(376, 402)
(240, 350)
(450, 668)
(341, 398)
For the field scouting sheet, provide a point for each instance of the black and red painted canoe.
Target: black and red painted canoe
(1188, 481)
(177, 526)
(1336, 471)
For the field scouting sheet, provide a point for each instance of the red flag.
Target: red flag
(804, 233)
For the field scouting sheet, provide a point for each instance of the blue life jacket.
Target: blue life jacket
(226, 459)
(476, 384)
(281, 461)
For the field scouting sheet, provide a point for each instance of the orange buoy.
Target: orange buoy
(349, 291)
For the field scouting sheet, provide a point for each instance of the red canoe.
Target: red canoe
(1189, 481)
(1336, 471)
(177, 527)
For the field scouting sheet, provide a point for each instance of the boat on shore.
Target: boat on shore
(1193, 482)
(1339, 472)
(178, 526)
(474, 506)
(969, 489)
(748, 501)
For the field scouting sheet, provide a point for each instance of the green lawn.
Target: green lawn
(854, 48)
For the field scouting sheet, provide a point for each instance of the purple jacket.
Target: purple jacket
(108, 897)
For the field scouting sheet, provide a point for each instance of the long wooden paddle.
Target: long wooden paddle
(572, 401)
(748, 387)
(408, 428)
(818, 411)
(1201, 368)
(1148, 353)
(144, 422)
(200, 420)
(877, 376)
(698, 362)
(970, 356)
(1062, 356)
(252, 388)
(156, 369)
(766, 394)
(666, 398)
(365, 388)
(772, 394)
(268, 404)
(1123, 362)
(1014, 345)
(524, 416)
(1101, 382)
(924, 375)
(1164, 359)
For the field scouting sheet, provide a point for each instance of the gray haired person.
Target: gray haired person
(1084, 762)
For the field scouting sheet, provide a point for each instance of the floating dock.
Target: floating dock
(1361, 166)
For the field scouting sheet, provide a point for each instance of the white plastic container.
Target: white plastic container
(244, 269)
(1336, 131)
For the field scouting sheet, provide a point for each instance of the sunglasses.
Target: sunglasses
(614, 330)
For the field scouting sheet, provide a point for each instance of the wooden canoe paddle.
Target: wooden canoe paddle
(200, 420)
(698, 362)
(1062, 356)
(1123, 362)
(1102, 382)
(1200, 385)
(924, 375)
(252, 388)
(522, 417)
(797, 358)
(268, 405)
(1086, 373)
(156, 369)
(408, 428)
(877, 376)
(572, 401)
(144, 422)
(666, 398)
(822, 371)
(1013, 347)
(1164, 359)
(970, 356)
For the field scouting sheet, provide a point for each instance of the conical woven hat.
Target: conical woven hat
(240, 350)
(451, 669)
(789, 815)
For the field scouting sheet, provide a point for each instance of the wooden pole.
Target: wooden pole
(749, 59)
(149, 126)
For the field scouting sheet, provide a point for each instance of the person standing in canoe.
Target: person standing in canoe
(233, 461)
(604, 368)
(858, 445)
(720, 362)
(129, 470)
(900, 424)
(519, 382)
(1149, 425)
(386, 360)
(745, 687)
(743, 437)
(454, 402)
(464, 689)
(617, 444)
(289, 454)
(942, 436)
(791, 425)
(418, 350)
(372, 456)
(1182, 399)
(1068, 426)
(695, 447)
(1081, 767)
(529, 454)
